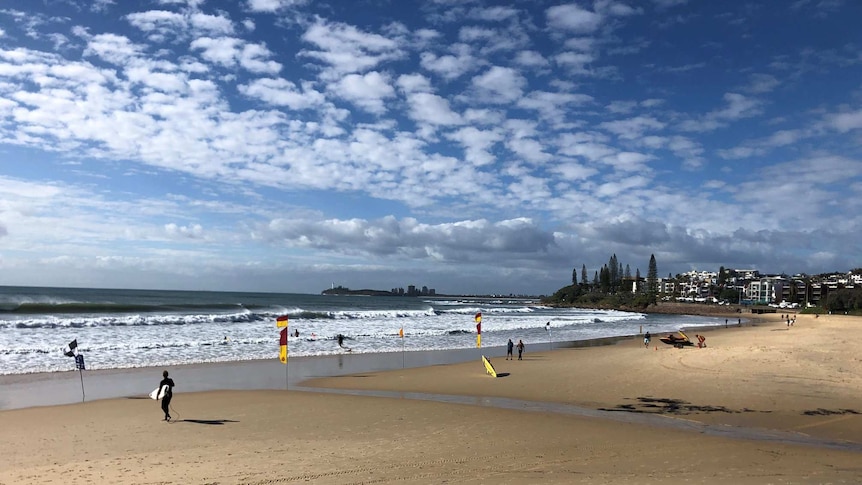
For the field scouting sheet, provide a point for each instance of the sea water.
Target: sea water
(117, 329)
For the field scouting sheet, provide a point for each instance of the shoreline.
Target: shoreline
(64, 388)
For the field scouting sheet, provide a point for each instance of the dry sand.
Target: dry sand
(804, 381)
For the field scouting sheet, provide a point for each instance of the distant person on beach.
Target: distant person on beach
(647, 338)
(340, 340)
(509, 347)
(520, 348)
(296, 333)
(169, 394)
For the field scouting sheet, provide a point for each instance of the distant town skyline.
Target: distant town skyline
(473, 146)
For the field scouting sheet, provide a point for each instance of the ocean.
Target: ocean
(121, 329)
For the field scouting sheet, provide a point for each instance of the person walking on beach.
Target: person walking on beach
(520, 348)
(647, 338)
(509, 347)
(169, 394)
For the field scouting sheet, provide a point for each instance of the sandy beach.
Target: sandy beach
(764, 403)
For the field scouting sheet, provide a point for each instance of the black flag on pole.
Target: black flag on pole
(72, 349)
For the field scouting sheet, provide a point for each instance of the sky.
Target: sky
(466, 146)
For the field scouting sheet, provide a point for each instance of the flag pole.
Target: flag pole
(81, 373)
(287, 367)
(402, 348)
(282, 323)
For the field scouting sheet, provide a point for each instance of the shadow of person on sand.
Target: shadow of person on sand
(217, 422)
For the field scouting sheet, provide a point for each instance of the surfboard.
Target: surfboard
(488, 367)
(159, 392)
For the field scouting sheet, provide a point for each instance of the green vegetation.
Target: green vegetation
(612, 287)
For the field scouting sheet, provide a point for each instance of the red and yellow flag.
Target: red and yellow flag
(479, 330)
(281, 321)
(401, 332)
(282, 353)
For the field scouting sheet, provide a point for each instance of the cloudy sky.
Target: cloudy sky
(470, 146)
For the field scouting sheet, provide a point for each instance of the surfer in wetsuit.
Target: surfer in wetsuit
(169, 393)
(340, 340)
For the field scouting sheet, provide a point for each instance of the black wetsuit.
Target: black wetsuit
(166, 400)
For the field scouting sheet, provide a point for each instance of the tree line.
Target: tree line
(612, 286)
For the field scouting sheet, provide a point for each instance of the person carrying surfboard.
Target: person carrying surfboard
(166, 390)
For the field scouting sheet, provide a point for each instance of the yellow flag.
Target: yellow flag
(401, 332)
(282, 348)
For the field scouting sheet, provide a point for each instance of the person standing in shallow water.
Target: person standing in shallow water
(520, 348)
(169, 394)
(509, 347)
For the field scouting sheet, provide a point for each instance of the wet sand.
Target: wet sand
(759, 404)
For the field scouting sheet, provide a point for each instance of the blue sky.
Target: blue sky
(473, 147)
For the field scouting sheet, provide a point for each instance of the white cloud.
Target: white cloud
(615, 8)
(669, 3)
(281, 92)
(492, 14)
(212, 24)
(575, 62)
(112, 48)
(158, 24)
(271, 6)
(553, 106)
(530, 58)
(499, 85)
(477, 144)
(573, 18)
(194, 231)
(450, 66)
(633, 127)
(231, 51)
(737, 107)
(368, 91)
(432, 109)
(346, 49)
(456, 241)
(761, 83)
(844, 122)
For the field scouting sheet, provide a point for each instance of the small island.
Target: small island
(341, 290)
